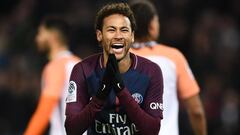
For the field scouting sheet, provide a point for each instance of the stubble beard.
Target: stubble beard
(43, 48)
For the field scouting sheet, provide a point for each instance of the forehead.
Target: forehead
(116, 20)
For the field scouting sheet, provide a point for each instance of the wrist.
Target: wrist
(97, 101)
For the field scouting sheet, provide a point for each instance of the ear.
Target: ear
(133, 33)
(151, 28)
(99, 35)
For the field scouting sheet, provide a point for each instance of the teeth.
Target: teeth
(118, 44)
(117, 48)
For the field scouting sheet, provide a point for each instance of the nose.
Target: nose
(118, 35)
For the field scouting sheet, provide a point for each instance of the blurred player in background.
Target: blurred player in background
(115, 92)
(52, 38)
(177, 75)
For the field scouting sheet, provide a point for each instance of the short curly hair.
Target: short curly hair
(114, 8)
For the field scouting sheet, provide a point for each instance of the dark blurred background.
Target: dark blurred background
(206, 31)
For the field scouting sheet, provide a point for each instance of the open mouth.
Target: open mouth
(117, 46)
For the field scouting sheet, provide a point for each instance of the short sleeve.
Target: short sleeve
(186, 83)
(53, 79)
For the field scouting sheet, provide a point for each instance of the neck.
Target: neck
(55, 49)
(125, 64)
(144, 39)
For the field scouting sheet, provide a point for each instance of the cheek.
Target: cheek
(107, 39)
(156, 28)
(129, 42)
(41, 38)
(105, 43)
(129, 39)
(39, 41)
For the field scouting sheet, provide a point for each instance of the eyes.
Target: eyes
(110, 30)
(123, 30)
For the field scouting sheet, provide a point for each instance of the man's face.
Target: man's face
(42, 39)
(116, 36)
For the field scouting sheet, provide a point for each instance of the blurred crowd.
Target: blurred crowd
(207, 32)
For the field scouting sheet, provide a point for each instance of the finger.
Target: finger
(111, 59)
(110, 70)
(114, 63)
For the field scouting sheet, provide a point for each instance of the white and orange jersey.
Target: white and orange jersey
(51, 107)
(177, 77)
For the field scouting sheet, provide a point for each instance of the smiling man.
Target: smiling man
(114, 92)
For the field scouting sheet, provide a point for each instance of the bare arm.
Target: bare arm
(196, 115)
(40, 119)
(51, 92)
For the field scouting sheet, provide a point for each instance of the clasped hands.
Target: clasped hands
(111, 79)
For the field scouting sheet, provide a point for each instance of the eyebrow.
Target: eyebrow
(123, 27)
(111, 27)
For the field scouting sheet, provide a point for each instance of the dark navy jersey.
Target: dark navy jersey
(137, 109)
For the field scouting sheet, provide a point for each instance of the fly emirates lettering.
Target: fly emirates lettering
(112, 128)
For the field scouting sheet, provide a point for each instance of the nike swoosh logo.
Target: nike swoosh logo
(118, 84)
(104, 86)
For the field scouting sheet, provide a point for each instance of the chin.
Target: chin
(119, 57)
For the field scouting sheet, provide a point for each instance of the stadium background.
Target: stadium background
(207, 32)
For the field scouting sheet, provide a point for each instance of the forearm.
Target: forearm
(40, 119)
(196, 115)
(198, 122)
(144, 122)
(77, 124)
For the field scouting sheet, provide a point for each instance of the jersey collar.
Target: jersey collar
(61, 54)
(133, 57)
(138, 45)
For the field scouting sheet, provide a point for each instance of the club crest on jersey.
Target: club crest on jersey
(138, 98)
(72, 92)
